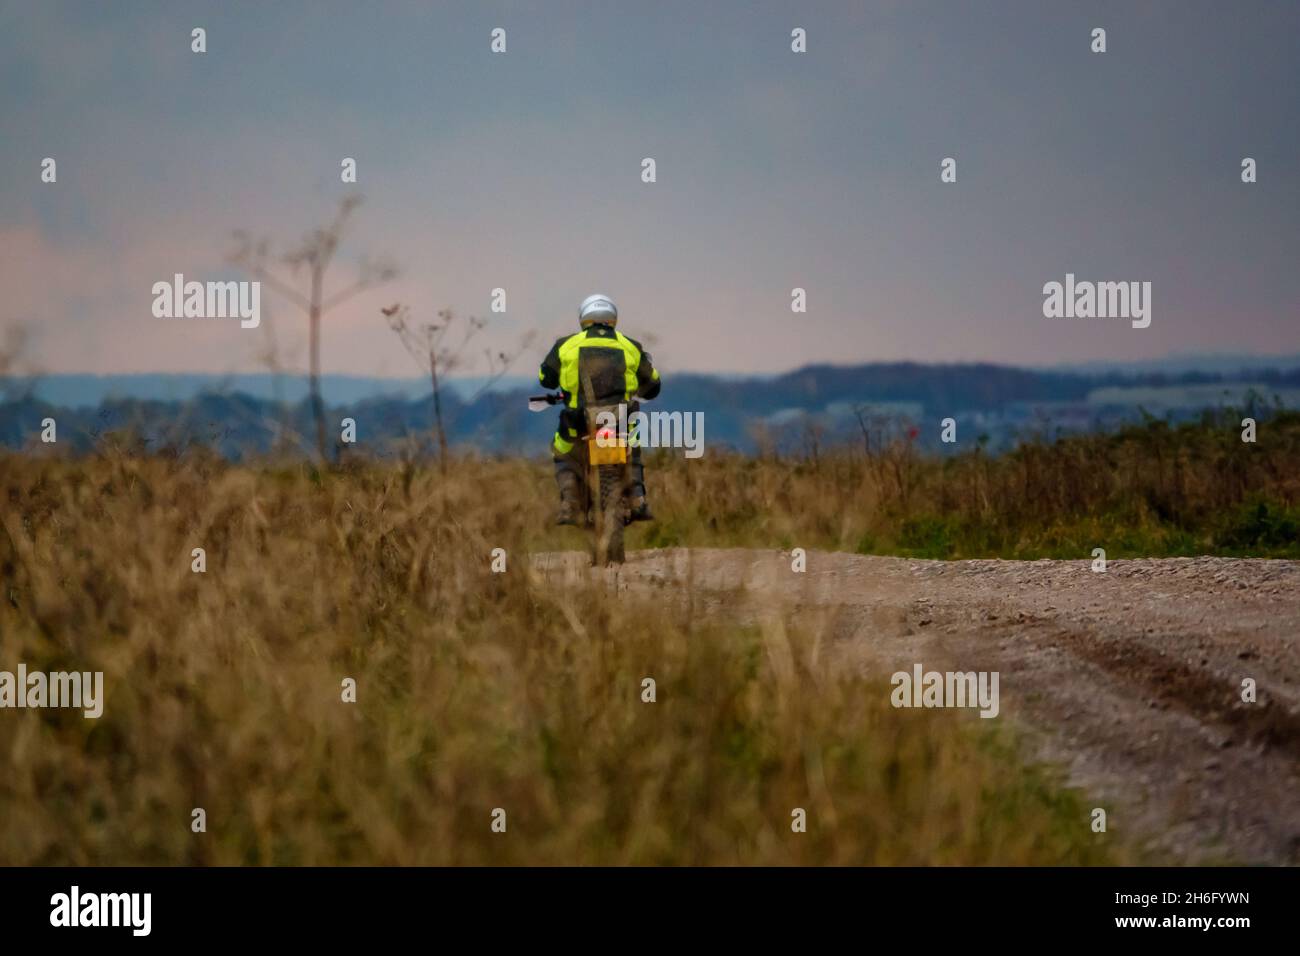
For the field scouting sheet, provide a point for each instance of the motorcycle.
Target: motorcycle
(603, 452)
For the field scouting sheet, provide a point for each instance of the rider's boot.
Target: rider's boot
(640, 510)
(569, 495)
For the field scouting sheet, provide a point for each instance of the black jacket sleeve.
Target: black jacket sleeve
(549, 374)
(647, 377)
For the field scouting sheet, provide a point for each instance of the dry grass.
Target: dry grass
(475, 691)
(1148, 491)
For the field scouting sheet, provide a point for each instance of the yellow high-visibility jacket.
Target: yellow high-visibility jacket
(617, 367)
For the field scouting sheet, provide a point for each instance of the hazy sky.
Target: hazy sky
(775, 170)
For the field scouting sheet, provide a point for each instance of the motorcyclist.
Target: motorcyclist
(619, 370)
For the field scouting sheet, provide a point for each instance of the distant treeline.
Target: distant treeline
(823, 404)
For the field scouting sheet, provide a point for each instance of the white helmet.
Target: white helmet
(597, 308)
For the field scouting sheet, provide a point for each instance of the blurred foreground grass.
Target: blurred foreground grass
(475, 690)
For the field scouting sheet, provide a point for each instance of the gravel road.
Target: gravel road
(1131, 679)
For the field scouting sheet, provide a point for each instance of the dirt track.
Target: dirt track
(1130, 679)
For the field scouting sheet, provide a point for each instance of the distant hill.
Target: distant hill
(239, 414)
(1222, 364)
(83, 390)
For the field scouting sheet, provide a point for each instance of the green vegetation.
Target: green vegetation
(1148, 491)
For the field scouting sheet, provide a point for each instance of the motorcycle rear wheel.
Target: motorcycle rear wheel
(612, 506)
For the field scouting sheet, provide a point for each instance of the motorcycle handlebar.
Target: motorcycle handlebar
(538, 403)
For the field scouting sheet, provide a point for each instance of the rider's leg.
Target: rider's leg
(568, 478)
(637, 494)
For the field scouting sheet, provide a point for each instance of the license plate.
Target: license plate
(613, 454)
